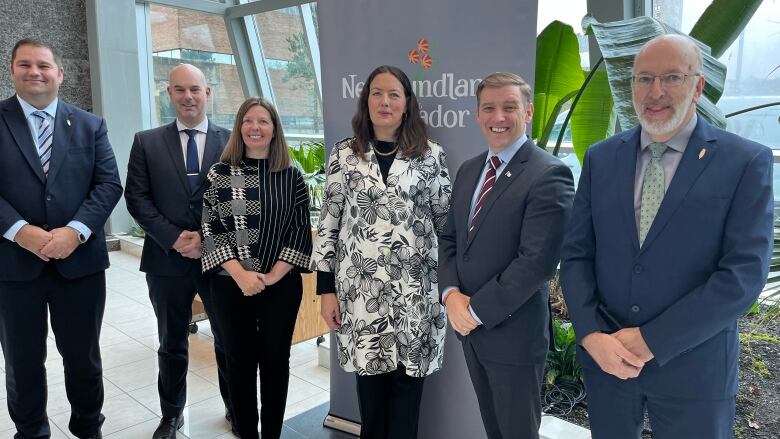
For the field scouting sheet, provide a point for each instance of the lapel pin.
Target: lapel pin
(702, 152)
(67, 121)
(508, 174)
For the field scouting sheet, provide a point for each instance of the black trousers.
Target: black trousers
(389, 404)
(172, 297)
(508, 396)
(257, 332)
(76, 307)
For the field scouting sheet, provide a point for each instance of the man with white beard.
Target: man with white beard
(668, 245)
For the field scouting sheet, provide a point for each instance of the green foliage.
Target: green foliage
(593, 119)
(136, 230)
(722, 22)
(299, 67)
(309, 158)
(562, 362)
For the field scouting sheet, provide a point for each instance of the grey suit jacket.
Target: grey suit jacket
(507, 262)
(158, 194)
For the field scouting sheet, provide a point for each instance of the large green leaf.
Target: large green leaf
(722, 22)
(594, 117)
(620, 41)
(558, 76)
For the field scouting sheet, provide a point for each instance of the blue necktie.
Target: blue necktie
(193, 169)
(44, 140)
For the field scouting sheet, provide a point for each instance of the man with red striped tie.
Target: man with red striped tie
(500, 248)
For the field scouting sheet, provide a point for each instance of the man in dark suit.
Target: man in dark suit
(58, 185)
(497, 254)
(164, 193)
(669, 244)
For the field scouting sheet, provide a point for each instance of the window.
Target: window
(287, 57)
(184, 36)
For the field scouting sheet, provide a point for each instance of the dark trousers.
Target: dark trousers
(508, 396)
(389, 404)
(172, 297)
(616, 410)
(76, 307)
(257, 332)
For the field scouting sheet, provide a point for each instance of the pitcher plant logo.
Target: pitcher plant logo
(420, 55)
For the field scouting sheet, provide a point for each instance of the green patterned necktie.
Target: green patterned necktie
(652, 190)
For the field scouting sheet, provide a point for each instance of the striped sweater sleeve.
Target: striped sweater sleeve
(297, 245)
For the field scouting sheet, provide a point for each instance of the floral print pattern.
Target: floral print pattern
(380, 239)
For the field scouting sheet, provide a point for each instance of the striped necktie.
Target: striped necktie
(490, 178)
(45, 138)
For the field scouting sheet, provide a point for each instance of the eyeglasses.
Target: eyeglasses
(668, 80)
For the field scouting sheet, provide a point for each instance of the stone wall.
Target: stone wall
(61, 23)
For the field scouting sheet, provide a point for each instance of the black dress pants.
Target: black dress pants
(257, 332)
(76, 307)
(389, 404)
(172, 297)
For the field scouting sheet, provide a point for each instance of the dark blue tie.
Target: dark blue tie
(193, 169)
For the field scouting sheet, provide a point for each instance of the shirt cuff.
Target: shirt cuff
(10, 234)
(326, 282)
(84, 232)
(473, 314)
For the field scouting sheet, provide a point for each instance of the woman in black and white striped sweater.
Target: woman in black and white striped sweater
(257, 239)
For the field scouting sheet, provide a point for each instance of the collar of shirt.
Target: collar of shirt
(28, 109)
(202, 127)
(507, 153)
(678, 142)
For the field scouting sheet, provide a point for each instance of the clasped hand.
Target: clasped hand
(459, 313)
(622, 354)
(188, 244)
(57, 244)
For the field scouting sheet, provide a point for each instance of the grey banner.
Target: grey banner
(445, 47)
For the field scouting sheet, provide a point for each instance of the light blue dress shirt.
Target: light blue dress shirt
(51, 110)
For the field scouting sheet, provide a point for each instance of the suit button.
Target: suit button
(192, 205)
(638, 269)
(46, 227)
(635, 308)
(48, 197)
(466, 257)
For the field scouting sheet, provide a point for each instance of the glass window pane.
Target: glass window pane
(569, 12)
(288, 60)
(183, 36)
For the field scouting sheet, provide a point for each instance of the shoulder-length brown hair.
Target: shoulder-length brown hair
(278, 152)
(412, 135)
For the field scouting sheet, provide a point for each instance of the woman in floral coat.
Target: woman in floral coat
(386, 197)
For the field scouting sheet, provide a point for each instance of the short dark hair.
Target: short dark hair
(278, 152)
(37, 43)
(412, 135)
(502, 79)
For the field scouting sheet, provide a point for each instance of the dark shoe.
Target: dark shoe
(168, 426)
(94, 436)
(229, 418)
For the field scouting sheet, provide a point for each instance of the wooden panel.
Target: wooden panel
(309, 324)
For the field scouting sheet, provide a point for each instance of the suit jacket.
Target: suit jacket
(506, 265)
(158, 193)
(703, 263)
(82, 185)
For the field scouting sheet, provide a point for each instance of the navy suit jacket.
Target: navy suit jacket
(158, 194)
(703, 263)
(506, 263)
(83, 185)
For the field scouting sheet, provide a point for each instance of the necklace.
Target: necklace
(386, 154)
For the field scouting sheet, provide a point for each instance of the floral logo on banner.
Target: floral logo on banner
(420, 56)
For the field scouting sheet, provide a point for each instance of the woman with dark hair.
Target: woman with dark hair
(257, 239)
(386, 197)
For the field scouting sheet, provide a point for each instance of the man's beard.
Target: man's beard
(659, 128)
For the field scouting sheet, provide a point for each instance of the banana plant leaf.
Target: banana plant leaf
(594, 116)
(722, 22)
(620, 41)
(558, 76)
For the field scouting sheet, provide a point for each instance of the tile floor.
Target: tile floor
(129, 343)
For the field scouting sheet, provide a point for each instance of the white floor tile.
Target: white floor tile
(121, 354)
(206, 419)
(142, 430)
(312, 372)
(135, 375)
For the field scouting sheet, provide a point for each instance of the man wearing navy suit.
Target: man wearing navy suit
(164, 193)
(668, 245)
(58, 185)
(499, 249)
